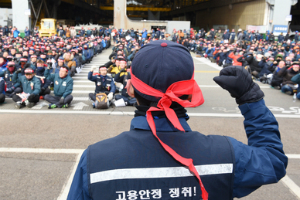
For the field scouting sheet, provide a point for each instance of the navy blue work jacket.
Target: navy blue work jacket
(260, 162)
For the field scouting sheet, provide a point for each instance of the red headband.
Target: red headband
(64, 69)
(174, 91)
(28, 71)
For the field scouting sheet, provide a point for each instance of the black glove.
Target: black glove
(61, 101)
(238, 82)
(123, 70)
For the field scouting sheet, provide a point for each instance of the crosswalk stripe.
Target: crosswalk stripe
(84, 86)
(80, 81)
(82, 91)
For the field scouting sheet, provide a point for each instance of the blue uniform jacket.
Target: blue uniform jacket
(32, 86)
(7, 76)
(260, 162)
(99, 77)
(62, 86)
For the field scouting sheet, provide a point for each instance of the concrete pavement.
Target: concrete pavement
(39, 147)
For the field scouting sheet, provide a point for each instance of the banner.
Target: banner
(280, 29)
(260, 29)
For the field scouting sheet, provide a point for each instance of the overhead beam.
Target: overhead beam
(153, 9)
(206, 4)
(83, 4)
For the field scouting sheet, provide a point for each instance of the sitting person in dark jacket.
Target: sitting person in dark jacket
(45, 83)
(277, 80)
(63, 87)
(296, 79)
(31, 88)
(288, 86)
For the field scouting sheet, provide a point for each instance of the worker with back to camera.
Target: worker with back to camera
(160, 157)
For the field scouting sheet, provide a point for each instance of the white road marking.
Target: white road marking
(293, 156)
(40, 105)
(82, 91)
(82, 78)
(294, 188)
(207, 62)
(66, 188)
(40, 150)
(78, 106)
(84, 86)
(81, 81)
(98, 112)
(80, 98)
(81, 74)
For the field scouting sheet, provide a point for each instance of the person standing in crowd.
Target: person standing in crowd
(27, 32)
(226, 36)
(61, 32)
(160, 125)
(219, 36)
(181, 36)
(68, 32)
(232, 36)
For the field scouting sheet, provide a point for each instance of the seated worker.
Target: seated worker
(45, 83)
(3, 63)
(103, 82)
(296, 79)
(288, 86)
(32, 62)
(111, 62)
(63, 87)
(70, 63)
(114, 69)
(60, 63)
(2, 90)
(161, 157)
(22, 63)
(86, 54)
(122, 77)
(7, 75)
(31, 88)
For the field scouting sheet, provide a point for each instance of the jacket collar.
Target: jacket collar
(162, 124)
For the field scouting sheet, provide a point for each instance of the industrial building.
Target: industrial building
(262, 15)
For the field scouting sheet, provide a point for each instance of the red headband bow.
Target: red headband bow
(174, 91)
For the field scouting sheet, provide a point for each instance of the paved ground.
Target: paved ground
(39, 147)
